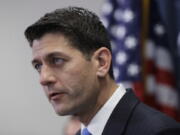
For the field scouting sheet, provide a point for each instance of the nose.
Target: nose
(47, 76)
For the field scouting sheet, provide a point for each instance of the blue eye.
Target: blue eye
(57, 60)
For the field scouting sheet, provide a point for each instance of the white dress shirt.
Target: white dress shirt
(97, 124)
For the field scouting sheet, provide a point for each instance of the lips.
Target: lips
(55, 95)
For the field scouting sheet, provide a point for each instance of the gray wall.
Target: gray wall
(24, 109)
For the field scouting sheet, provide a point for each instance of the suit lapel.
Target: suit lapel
(118, 120)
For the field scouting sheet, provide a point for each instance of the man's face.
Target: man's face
(67, 77)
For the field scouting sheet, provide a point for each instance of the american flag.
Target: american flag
(122, 20)
(141, 55)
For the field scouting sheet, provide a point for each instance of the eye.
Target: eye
(57, 61)
(38, 66)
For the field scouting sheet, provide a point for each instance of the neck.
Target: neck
(107, 88)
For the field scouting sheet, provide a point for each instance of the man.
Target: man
(72, 54)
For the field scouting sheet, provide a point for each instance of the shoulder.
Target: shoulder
(149, 120)
(132, 117)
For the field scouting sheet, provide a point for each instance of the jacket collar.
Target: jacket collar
(119, 118)
(118, 121)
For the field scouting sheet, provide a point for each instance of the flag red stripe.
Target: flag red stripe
(165, 77)
(162, 76)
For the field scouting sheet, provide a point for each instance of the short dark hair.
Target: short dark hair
(80, 26)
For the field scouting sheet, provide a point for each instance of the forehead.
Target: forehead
(50, 43)
(51, 40)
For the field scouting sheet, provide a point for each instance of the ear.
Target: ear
(103, 58)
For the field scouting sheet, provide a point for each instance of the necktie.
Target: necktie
(86, 132)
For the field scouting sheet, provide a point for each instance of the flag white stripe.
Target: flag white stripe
(163, 59)
(166, 95)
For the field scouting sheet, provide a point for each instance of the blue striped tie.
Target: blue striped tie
(86, 132)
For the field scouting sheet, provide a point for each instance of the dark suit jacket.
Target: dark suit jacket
(132, 117)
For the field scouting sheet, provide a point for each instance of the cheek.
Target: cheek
(78, 80)
(74, 77)
(82, 87)
(76, 85)
(81, 92)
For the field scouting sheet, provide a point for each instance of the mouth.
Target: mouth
(56, 95)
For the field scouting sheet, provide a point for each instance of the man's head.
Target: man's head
(71, 52)
(81, 27)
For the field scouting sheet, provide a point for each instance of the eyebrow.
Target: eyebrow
(49, 56)
(34, 61)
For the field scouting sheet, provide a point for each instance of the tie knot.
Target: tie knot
(86, 132)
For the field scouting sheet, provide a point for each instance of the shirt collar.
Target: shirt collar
(99, 121)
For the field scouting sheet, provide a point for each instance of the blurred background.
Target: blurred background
(146, 54)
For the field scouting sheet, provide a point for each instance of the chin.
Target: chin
(61, 112)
